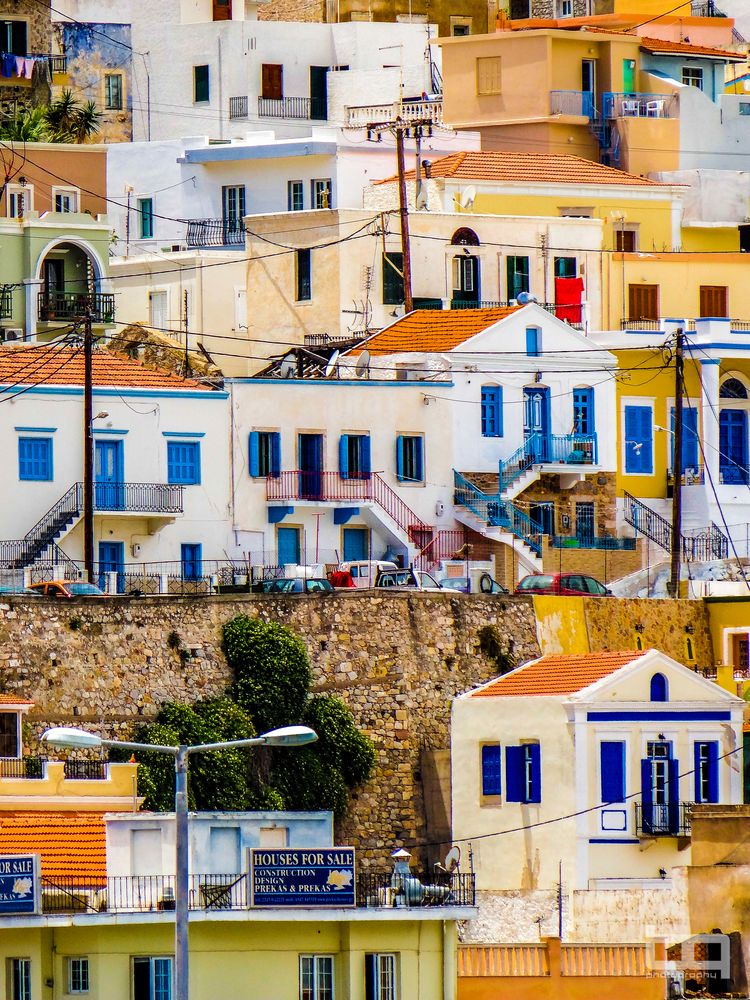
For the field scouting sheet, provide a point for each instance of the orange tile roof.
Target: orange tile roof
(557, 674)
(531, 168)
(45, 365)
(70, 843)
(660, 45)
(433, 330)
(9, 699)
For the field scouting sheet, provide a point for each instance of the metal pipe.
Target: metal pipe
(181, 881)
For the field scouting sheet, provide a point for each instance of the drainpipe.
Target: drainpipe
(449, 960)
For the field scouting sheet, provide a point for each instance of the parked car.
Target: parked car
(563, 584)
(12, 590)
(295, 585)
(68, 588)
(364, 571)
(486, 585)
(406, 579)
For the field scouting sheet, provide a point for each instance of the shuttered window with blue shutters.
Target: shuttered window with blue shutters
(492, 783)
(689, 438)
(184, 462)
(265, 454)
(354, 456)
(409, 458)
(492, 411)
(639, 435)
(35, 458)
(523, 773)
(533, 341)
(706, 765)
(612, 767)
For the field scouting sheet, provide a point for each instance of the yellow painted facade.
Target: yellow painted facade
(117, 791)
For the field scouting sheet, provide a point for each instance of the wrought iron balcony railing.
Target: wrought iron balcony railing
(36, 768)
(285, 107)
(640, 106)
(64, 306)
(663, 820)
(238, 107)
(215, 232)
(146, 498)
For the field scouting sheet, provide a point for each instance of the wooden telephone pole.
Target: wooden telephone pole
(679, 379)
(88, 449)
(404, 214)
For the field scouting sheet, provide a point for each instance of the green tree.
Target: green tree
(64, 120)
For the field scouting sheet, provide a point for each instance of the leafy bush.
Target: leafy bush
(340, 744)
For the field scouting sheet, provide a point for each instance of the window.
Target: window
(566, 267)
(492, 411)
(659, 688)
(639, 458)
(354, 456)
(518, 276)
(574, 212)
(295, 196)
(409, 458)
(271, 82)
(145, 218)
(533, 341)
(565, 8)
(184, 462)
(316, 977)
(304, 274)
(9, 742)
(583, 410)
(523, 773)
(393, 278)
(321, 193)
(492, 769)
(692, 76)
(152, 978)
(488, 75)
(380, 977)
(626, 240)
(78, 975)
(732, 388)
(612, 770)
(706, 762)
(35, 459)
(20, 200)
(232, 208)
(744, 108)
(690, 443)
(191, 557)
(459, 30)
(201, 88)
(65, 199)
(14, 38)
(714, 301)
(265, 454)
(19, 979)
(113, 91)
(157, 309)
(643, 301)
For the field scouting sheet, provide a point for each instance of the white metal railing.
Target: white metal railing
(429, 111)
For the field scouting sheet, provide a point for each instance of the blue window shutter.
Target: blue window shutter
(254, 453)
(486, 411)
(275, 454)
(673, 805)
(713, 771)
(400, 458)
(499, 409)
(419, 463)
(514, 774)
(638, 439)
(344, 456)
(612, 765)
(491, 770)
(647, 796)
(659, 688)
(365, 456)
(534, 752)
(532, 341)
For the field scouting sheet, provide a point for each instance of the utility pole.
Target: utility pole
(404, 213)
(674, 582)
(185, 323)
(88, 449)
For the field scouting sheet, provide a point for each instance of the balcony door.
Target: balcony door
(112, 560)
(232, 209)
(108, 475)
(310, 466)
(318, 93)
(733, 453)
(660, 789)
(536, 421)
(588, 87)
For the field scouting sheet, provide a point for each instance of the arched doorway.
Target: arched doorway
(466, 268)
(69, 274)
(734, 401)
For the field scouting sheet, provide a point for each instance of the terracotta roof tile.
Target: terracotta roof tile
(70, 843)
(660, 45)
(533, 168)
(9, 699)
(557, 674)
(43, 365)
(433, 330)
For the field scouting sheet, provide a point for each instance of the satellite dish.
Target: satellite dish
(467, 197)
(331, 366)
(421, 200)
(362, 367)
(288, 366)
(453, 859)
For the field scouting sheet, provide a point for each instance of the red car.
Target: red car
(565, 584)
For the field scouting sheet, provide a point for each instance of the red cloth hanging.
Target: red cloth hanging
(568, 295)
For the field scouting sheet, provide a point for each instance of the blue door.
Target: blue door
(733, 446)
(310, 466)
(536, 421)
(356, 543)
(689, 438)
(108, 475)
(191, 557)
(287, 543)
(585, 528)
(112, 560)
(639, 448)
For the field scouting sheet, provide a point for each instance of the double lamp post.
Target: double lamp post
(68, 738)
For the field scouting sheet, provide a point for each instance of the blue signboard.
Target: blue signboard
(19, 883)
(305, 877)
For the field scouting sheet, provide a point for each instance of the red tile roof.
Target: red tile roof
(9, 699)
(70, 843)
(531, 168)
(660, 45)
(557, 674)
(433, 330)
(45, 365)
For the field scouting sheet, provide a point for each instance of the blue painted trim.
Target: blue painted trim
(361, 383)
(35, 430)
(710, 361)
(109, 430)
(612, 840)
(60, 390)
(719, 346)
(183, 434)
(341, 515)
(277, 514)
(659, 716)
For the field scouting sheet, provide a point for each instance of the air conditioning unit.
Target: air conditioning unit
(12, 333)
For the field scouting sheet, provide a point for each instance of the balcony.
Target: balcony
(141, 498)
(577, 103)
(605, 542)
(659, 325)
(36, 768)
(656, 820)
(640, 106)
(60, 307)
(155, 893)
(417, 112)
(286, 107)
(238, 108)
(215, 233)
(6, 302)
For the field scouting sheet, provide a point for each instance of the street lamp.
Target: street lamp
(69, 738)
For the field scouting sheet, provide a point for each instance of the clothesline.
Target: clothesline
(24, 67)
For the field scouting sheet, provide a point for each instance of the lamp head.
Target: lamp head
(69, 738)
(289, 736)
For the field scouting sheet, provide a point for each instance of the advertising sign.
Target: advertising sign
(306, 877)
(20, 886)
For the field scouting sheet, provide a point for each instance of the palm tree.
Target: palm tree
(70, 121)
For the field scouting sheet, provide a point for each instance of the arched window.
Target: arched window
(732, 388)
(659, 688)
(464, 237)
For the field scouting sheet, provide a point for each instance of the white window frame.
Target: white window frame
(317, 961)
(113, 107)
(24, 976)
(386, 968)
(70, 192)
(638, 401)
(84, 974)
(163, 327)
(606, 814)
(319, 186)
(152, 959)
(693, 73)
(12, 193)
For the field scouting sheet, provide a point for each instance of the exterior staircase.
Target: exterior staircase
(39, 542)
(699, 544)
(526, 464)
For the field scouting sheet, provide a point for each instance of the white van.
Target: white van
(364, 571)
